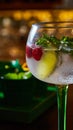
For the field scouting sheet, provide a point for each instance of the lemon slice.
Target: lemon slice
(47, 64)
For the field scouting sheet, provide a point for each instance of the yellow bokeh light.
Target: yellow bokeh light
(65, 15)
(17, 15)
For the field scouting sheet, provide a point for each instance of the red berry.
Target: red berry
(37, 53)
(28, 51)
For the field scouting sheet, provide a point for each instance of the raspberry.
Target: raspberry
(28, 52)
(37, 53)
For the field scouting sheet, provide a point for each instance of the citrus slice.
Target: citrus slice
(47, 64)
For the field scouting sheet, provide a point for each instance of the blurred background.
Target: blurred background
(16, 19)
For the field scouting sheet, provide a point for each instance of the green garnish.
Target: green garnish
(43, 41)
(47, 41)
(65, 44)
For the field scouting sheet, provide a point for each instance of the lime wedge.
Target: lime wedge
(47, 64)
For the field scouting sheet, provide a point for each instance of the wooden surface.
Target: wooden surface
(47, 121)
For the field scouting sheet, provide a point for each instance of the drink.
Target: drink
(49, 56)
(51, 62)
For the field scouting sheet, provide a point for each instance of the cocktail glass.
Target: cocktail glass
(49, 56)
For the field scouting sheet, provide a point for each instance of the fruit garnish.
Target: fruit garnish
(28, 51)
(45, 42)
(37, 53)
(47, 64)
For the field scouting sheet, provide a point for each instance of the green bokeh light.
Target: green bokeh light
(2, 95)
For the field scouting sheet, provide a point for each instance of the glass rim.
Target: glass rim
(55, 24)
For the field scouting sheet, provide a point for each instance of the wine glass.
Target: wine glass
(49, 56)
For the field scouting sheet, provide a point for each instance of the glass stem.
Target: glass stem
(62, 103)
